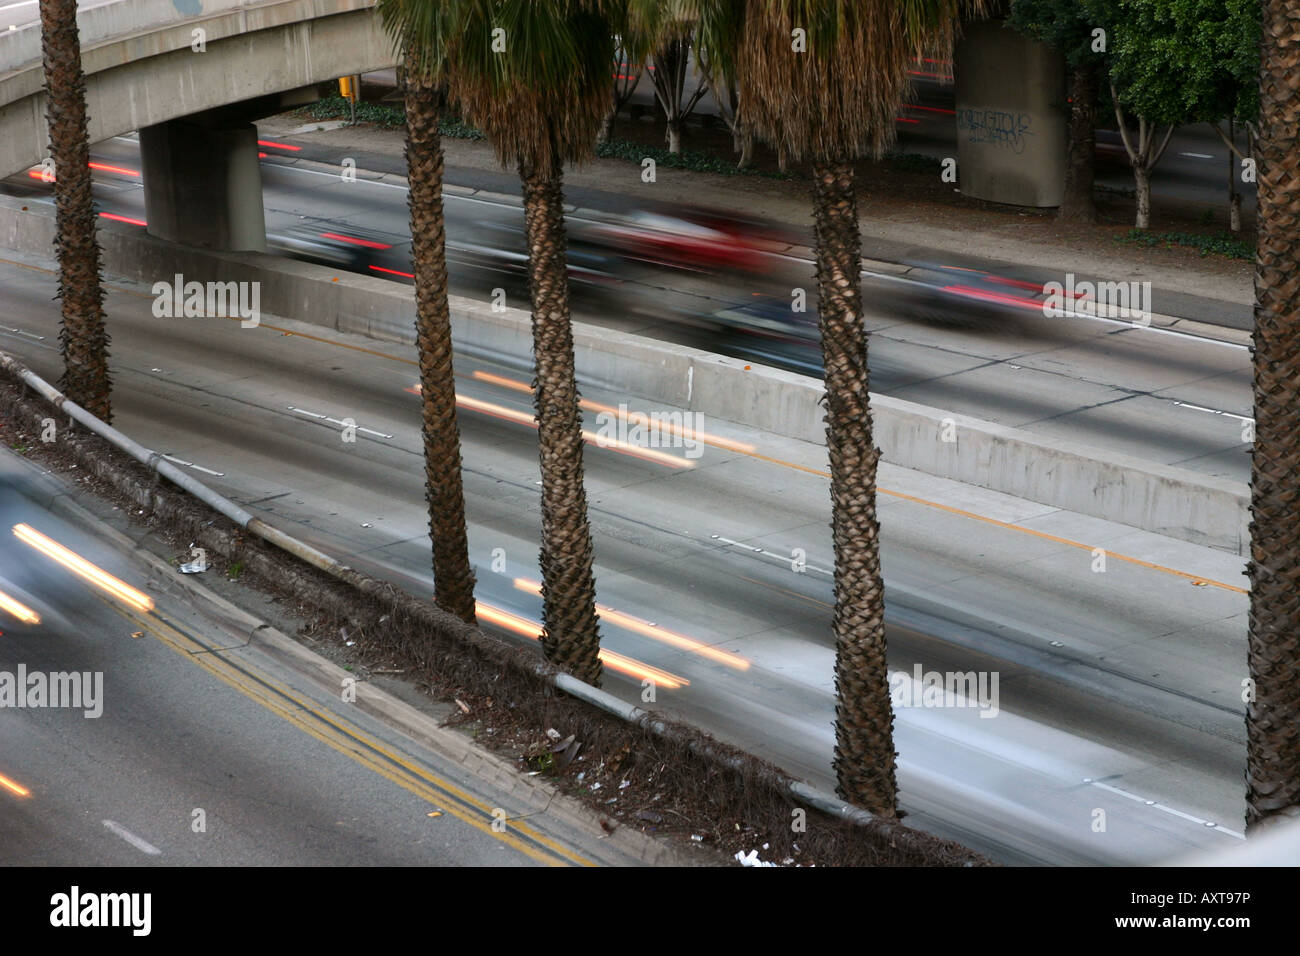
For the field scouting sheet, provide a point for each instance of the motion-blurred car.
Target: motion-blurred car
(497, 255)
(949, 293)
(766, 330)
(699, 243)
(349, 247)
(1110, 149)
(494, 256)
(34, 593)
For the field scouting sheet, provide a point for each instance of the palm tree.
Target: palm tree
(1273, 648)
(82, 335)
(419, 27)
(535, 77)
(829, 95)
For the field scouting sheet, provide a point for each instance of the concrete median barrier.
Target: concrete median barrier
(1074, 477)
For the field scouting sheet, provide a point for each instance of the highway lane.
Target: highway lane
(202, 751)
(1171, 398)
(1129, 678)
(300, 146)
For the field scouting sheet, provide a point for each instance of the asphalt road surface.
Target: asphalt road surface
(1118, 735)
(192, 746)
(1156, 394)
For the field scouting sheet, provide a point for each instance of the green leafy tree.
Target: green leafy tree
(83, 337)
(673, 31)
(627, 78)
(672, 59)
(717, 35)
(1174, 62)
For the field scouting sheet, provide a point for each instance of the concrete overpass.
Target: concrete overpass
(191, 75)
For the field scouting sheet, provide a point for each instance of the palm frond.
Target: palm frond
(421, 31)
(840, 95)
(535, 75)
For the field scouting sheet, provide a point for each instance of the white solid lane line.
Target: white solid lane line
(1214, 411)
(335, 421)
(784, 559)
(190, 464)
(144, 846)
(1170, 810)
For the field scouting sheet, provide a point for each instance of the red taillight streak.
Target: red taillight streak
(993, 297)
(126, 219)
(1018, 283)
(104, 167)
(356, 242)
(406, 275)
(267, 142)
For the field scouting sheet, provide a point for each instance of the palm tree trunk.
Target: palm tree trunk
(83, 337)
(571, 635)
(864, 735)
(1273, 646)
(453, 577)
(1078, 204)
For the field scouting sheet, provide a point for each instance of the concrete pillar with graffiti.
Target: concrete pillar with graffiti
(1012, 117)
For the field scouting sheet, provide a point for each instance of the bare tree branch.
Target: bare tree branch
(1223, 137)
(1123, 129)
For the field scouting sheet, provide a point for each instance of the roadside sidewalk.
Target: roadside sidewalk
(1212, 290)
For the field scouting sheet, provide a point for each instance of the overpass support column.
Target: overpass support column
(1011, 117)
(203, 185)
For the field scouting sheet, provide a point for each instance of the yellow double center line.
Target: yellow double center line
(355, 744)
